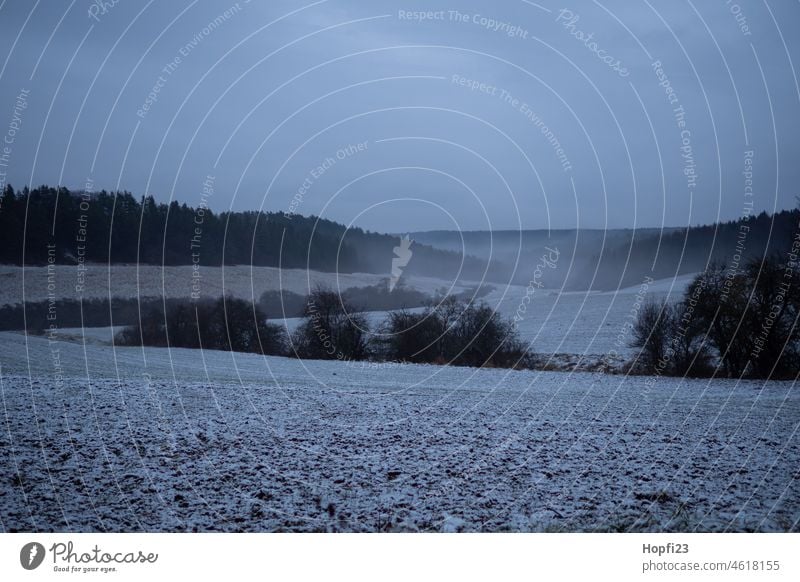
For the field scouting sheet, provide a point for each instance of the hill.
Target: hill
(59, 226)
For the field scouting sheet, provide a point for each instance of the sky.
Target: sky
(410, 116)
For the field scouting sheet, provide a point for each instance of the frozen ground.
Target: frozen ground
(93, 438)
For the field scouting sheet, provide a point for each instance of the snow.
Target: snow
(129, 439)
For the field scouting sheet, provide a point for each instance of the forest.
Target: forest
(734, 323)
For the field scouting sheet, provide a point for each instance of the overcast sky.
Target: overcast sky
(481, 115)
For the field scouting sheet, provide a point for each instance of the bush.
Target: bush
(98, 312)
(720, 298)
(224, 324)
(282, 304)
(651, 333)
(752, 318)
(739, 323)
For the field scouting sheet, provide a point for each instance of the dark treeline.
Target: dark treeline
(116, 227)
(454, 332)
(731, 322)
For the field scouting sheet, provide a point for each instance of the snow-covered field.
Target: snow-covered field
(93, 438)
(154, 281)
